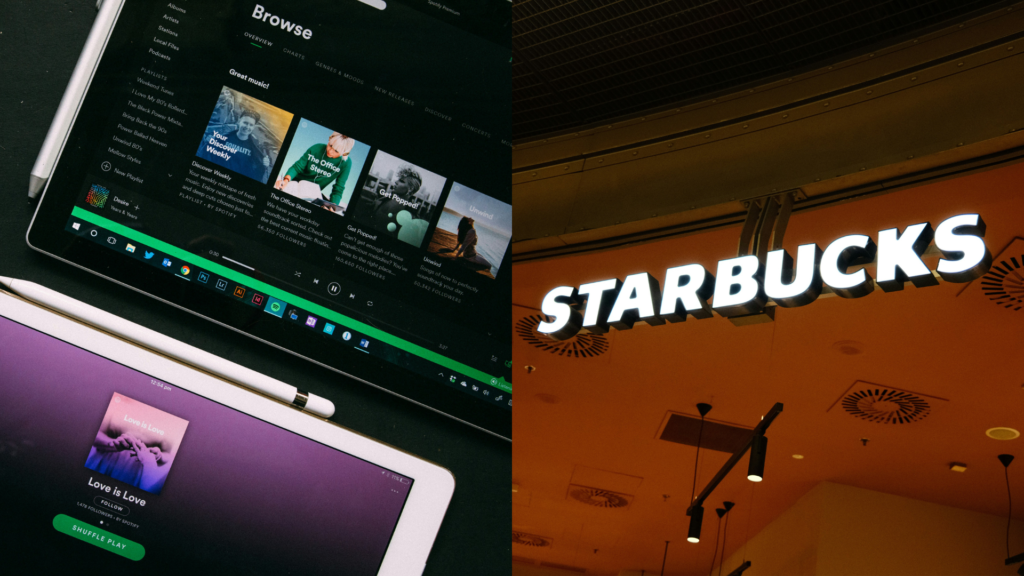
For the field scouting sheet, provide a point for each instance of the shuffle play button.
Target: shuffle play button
(98, 537)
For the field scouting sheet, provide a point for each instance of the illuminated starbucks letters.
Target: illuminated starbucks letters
(840, 255)
(790, 290)
(635, 302)
(960, 240)
(560, 304)
(738, 288)
(899, 257)
(745, 285)
(687, 289)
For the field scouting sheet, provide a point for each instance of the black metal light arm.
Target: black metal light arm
(727, 467)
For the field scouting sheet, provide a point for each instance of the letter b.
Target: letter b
(258, 12)
(738, 289)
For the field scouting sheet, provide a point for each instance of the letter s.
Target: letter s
(962, 236)
(298, 30)
(560, 303)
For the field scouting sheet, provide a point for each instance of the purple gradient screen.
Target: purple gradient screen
(243, 495)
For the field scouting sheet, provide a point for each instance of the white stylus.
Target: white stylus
(73, 94)
(169, 347)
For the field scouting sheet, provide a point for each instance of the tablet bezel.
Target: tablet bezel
(432, 486)
(47, 235)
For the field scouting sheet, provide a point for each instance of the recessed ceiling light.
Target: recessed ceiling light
(798, 456)
(1001, 433)
(848, 347)
(958, 467)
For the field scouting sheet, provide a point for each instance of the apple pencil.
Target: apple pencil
(170, 347)
(73, 94)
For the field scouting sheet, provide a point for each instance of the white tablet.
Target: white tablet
(113, 457)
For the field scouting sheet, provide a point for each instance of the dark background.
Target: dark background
(39, 45)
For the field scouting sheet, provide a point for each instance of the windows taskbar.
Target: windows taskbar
(288, 307)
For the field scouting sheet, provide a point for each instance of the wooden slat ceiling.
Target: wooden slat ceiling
(584, 62)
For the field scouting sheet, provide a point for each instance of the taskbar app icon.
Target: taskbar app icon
(275, 307)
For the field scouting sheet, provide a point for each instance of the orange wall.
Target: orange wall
(840, 530)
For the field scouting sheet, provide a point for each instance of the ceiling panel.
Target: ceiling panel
(587, 61)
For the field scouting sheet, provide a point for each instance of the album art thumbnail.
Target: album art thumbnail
(97, 196)
(136, 444)
(474, 231)
(398, 198)
(322, 166)
(244, 134)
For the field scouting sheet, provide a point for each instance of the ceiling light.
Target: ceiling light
(758, 447)
(697, 512)
(848, 347)
(798, 456)
(1006, 459)
(696, 517)
(1001, 433)
(958, 467)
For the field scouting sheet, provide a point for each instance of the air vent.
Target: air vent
(1004, 283)
(599, 498)
(886, 406)
(579, 346)
(531, 540)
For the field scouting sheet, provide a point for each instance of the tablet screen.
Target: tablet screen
(99, 463)
(330, 176)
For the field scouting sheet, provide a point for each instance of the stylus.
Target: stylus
(169, 347)
(73, 94)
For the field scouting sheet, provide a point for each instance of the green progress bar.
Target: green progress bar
(370, 331)
(255, 44)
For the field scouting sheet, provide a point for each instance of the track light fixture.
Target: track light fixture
(664, 558)
(758, 447)
(1006, 459)
(726, 507)
(697, 512)
(696, 518)
(757, 443)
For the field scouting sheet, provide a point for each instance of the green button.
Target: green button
(98, 537)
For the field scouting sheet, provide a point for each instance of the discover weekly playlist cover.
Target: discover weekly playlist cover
(244, 134)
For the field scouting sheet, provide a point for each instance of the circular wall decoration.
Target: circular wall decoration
(1004, 283)
(886, 406)
(579, 346)
(532, 540)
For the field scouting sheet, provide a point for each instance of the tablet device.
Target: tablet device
(113, 457)
(331, 177)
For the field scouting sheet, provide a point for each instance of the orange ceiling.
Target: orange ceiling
(947, 341)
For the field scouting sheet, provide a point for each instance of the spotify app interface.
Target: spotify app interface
(341, 165)
(103, 467)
